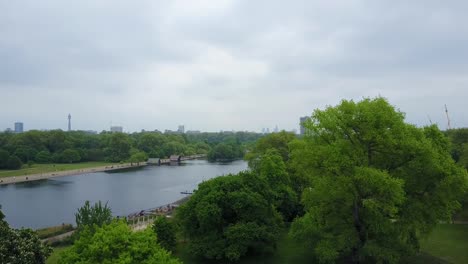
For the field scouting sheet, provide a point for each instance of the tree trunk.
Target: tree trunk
(360, 228)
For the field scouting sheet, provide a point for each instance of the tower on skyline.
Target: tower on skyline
(69, 122)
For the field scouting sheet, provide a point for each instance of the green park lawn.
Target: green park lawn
(45, 168)
(448, 242)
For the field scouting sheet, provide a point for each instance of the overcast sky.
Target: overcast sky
(227, 65)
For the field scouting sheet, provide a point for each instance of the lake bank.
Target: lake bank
(48, 175)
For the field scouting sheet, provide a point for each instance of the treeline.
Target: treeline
(57, 146)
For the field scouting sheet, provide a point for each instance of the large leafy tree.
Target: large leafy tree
(21, 246)
(70, 156)
(90, 216)
(118, 148)
(165, 232)
(117, 243)
(278, 141)
(230, 216)
(270, 166)
(378, 183)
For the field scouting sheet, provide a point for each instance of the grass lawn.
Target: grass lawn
(44, 168)
(54, 231)
(448, 242)
(53, 258)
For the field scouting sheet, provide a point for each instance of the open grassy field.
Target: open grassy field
(448, 242)
(45, 168)
(54, 230)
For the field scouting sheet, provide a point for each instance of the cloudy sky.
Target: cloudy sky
(223, 65)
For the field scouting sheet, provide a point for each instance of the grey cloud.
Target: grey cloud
(227, 64)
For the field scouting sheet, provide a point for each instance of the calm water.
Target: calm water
(55, 201)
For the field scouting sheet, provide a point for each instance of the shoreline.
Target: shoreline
(48, 175)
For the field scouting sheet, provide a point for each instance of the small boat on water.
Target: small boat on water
(186, 192)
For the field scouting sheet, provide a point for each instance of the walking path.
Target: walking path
(42, 176)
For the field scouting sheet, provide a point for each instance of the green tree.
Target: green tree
(25, 153)
(138, 157)
(279, 141)
(225, 151)
(70, 156)
(90, 216)
(149, 142)
(21, 246)
(4, 156)
(165, 232)
(118, 148)
(117, 243)
(173, 148)
(271, 167)
(378, 184)
(14, 163)
(43, 157)
(229, 216)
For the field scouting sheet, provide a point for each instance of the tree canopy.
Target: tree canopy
(229, 216)
(165, 232)
(90, 216)
(116, 243)
(378, 183)
(21, 246)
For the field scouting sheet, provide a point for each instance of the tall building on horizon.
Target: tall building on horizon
(181, 129)
(301, 124)
(18, 127)
(69, 122)
(116, 129)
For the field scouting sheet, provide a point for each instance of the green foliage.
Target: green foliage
(43, 157)
(378, 184)
(56, 145)
(25, 153)
(138, 157)
(91, 216)
(116, 243)
(230, 216)
(278, 141)
(21, 246)
(225, 152)
(70, 156)
(271, 167)
(14, 163)
(4, 156)
(118, 147)
(165, 232)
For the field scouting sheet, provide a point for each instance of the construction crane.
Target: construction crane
(448, 118)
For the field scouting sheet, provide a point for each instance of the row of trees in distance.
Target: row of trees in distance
(57, 146)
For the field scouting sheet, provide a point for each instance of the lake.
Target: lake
(54, 201)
